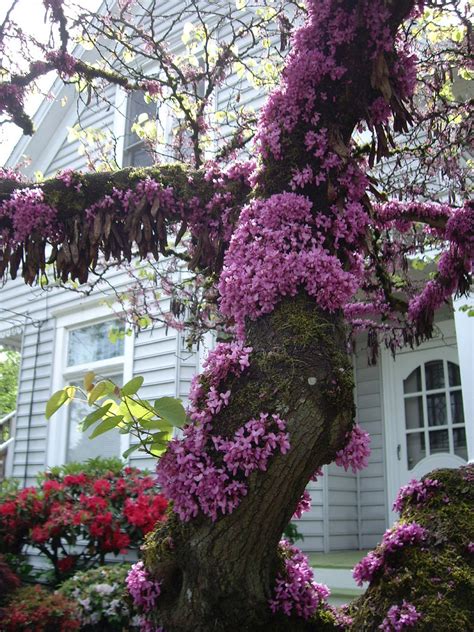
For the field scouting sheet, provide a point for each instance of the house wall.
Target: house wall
(349, 510)
(345, 513)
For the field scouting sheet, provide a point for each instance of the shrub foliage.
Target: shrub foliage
(75, 519)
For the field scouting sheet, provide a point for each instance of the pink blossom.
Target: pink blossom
(394, 539)
(143, 589)
(28, 213)
(304, 504)
(417, 492)
(295, 590)
(356, 452)
(400, 618)
(278, 233)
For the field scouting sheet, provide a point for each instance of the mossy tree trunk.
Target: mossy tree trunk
(219, 576)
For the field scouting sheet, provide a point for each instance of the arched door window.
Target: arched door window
(434, 417)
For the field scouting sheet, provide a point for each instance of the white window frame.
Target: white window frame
(58, 425)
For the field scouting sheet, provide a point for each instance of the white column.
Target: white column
(465, 341)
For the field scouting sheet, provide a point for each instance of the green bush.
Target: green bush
(102, 598)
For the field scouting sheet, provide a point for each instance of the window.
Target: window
(87, 341)
(136, 153)
(434, 417)
(99, 348)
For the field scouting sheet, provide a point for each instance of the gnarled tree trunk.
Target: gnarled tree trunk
(219, 576)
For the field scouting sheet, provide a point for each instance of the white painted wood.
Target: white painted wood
(394, 371)
(465, 337)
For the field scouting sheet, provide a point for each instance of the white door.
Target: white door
(424, 415)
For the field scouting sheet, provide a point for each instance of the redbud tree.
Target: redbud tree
(291, 253)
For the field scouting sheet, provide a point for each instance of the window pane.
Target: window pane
(93, 343)
(79, 446)
(457, 410)
(437, 410)
(434, 373)
(413, 382)
(439, 441)
(414, 412)
(135, 152)
(416, 449)
(460, 445)
(454, 374)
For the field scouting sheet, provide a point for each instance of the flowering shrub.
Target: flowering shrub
(34, 608)
(110, 513)
(100, 594)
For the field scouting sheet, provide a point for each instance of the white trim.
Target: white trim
(465, 335)
(119, 123)
(128, 368)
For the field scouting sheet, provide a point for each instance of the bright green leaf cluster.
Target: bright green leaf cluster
(121, 407)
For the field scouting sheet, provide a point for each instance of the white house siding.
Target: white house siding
(94, 116)
(371, 481)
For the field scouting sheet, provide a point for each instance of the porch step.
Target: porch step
(335, 570)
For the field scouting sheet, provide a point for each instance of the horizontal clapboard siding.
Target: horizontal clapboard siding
(372, 494)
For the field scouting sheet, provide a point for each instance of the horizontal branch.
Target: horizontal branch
(69, 221)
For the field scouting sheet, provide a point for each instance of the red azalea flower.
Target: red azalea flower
(102, 487)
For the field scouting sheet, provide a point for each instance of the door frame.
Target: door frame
(442, 346)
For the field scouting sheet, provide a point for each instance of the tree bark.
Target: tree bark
(219, 576)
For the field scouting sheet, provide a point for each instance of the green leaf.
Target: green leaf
(89, 380)
(102, 388)
(95, 416)
(131, 387)
(171, 409)
(156, 424)
(56, 401)
(106, 425)
(129, 450)
(159, 442)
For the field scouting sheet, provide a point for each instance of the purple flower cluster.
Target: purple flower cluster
(304, 504)
(356, 452)
(394, 539)
(313, 62)
(9, 174)
(295, 591)
(195, 481)
(143, 589)
(12, 97)
(280, 233)
(63, 61)
(70, 179)
(28, 213)
(226, 358)
(460, 228)
(417, 491)
(253, 444)
(206, 472)
(400, 618)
